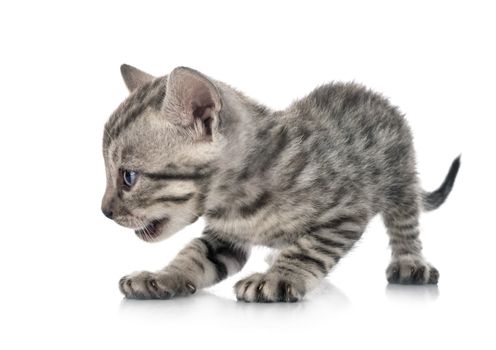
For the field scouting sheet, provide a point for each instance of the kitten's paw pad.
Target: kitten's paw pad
(149, 285)
(411, 271)
(265, 288)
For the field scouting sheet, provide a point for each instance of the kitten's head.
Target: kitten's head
(159, 147)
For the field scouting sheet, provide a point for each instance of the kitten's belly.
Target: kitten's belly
(269, 229)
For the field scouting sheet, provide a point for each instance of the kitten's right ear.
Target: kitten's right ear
(133, 77)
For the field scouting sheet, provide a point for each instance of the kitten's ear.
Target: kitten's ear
(194, 99)
(133, 77)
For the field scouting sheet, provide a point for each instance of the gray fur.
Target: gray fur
(133, 77)
(305, 180)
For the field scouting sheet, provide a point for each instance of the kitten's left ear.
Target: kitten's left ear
(193, 99)
(133, 77)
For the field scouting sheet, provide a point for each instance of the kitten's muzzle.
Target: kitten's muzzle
(151, 231)
(108, 205)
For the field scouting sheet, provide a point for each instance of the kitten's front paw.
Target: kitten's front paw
(149, 285)
(267, 288)
(408, 270)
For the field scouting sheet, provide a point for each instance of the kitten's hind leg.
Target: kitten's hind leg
(408, 266)
(299, 267)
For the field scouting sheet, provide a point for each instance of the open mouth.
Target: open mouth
(152, 230)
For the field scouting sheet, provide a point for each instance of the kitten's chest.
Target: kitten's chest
(255, 209)
(258, 222)
(272, 230)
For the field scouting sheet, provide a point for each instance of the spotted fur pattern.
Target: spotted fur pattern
(305, 180)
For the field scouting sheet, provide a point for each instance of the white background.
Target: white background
(60, 259)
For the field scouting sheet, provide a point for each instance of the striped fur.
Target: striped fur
(305, 180)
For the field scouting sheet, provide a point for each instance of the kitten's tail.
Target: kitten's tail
(432, 200)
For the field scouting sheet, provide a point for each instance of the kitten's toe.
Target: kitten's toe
(156, 289)
(265, 288)
(243, 288)
(132, 286)
(433, 275)
(408, 270)
(148, 285)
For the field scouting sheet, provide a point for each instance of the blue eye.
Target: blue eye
(129, 177)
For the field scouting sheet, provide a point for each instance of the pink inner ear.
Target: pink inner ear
(193, 97)
(201, 94)
(204, 113)
(203, 103)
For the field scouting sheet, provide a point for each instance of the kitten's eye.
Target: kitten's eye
(129, 177)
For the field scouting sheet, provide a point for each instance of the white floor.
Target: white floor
(67, 297)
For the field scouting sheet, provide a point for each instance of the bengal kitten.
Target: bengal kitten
(305, 180)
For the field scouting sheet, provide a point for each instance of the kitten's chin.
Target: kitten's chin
(154, 231)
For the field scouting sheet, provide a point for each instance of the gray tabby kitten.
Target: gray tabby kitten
(305, 180)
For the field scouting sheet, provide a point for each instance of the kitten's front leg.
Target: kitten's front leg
(299, 267)
(203, 262)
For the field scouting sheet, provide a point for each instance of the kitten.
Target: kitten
(305, 180)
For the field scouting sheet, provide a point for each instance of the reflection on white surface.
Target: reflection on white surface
(412, 292)
(324, 298)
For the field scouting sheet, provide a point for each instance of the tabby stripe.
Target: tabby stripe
(219, 266)
(133, 103)
(134, 107)
(216, 213)
(262, 200)
(209, 232)
(235, 253)
(296, 165)
(404, 231)
(401, 236)
(335, 223)
(403, 217)
(277, 235)
(335, 255)
(338, 197)
(227, 249)
(263, 159)
(308, 269)
(175, 199)
(401, 241)
(307, 260)
(405, 251)
(404, 226)
(287, 269)
(165, 176)
(349, 234)
(329, 242)
(282, 142)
